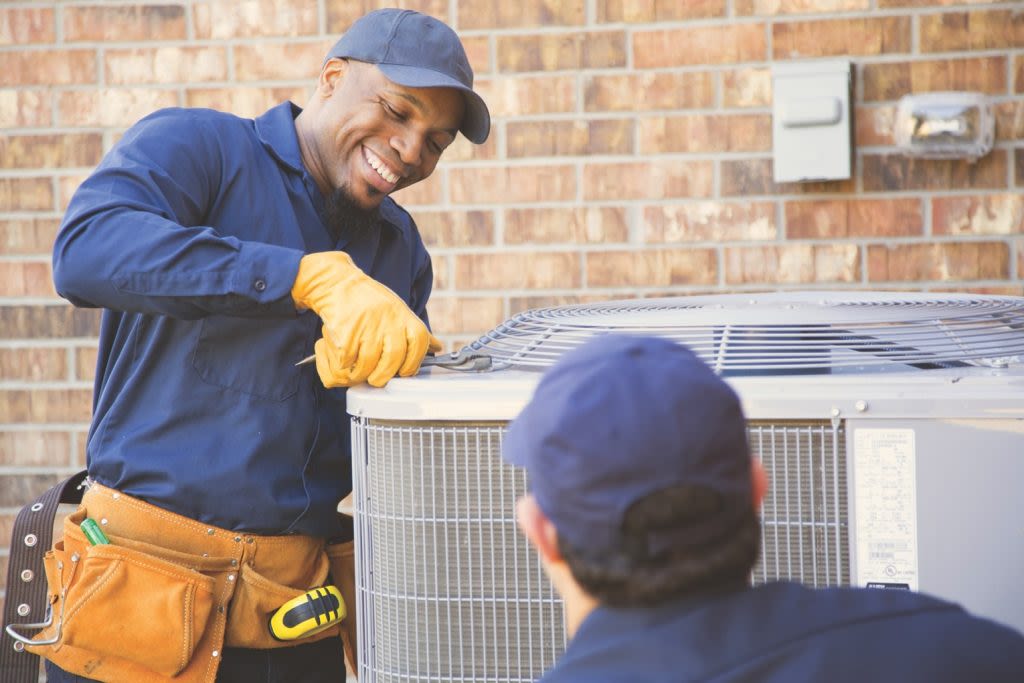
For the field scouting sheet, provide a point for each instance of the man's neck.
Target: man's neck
(578, 603)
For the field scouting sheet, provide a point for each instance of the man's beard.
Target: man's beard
(342, 216)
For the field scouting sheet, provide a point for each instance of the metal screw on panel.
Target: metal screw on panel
(861, 406)
(835, 412)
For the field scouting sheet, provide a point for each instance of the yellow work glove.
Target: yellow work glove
(369, 333)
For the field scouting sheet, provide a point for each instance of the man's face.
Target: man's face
(373, 136)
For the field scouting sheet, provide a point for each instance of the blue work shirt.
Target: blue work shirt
(189, 233)
(784, 632)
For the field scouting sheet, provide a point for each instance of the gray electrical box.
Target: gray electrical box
(811, 121)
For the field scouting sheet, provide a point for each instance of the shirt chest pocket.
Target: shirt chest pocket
(254, 356)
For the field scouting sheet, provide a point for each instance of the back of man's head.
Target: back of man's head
(637, 454)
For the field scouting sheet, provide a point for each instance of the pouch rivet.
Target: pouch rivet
(116, 496)
(103, 521)
(209, 532)
(238, 539)
(234, 563)
(24, 609)
(19, 647)
(215, 653)
(27, 575)
(31, 540)
(231, 577)
(36, 507)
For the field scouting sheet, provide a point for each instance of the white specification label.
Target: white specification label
(886, 502)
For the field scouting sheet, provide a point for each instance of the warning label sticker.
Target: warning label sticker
(885, 467)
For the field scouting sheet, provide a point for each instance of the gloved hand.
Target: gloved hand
(369, 333)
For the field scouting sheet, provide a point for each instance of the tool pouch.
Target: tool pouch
(127, 611)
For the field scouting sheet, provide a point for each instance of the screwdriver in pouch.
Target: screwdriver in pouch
(93, 532)
(312, 612)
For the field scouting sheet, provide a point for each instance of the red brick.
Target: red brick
(456, 228)
(892, 80)
(133, 22)
(649, 91)
(519, 304)
(897, 172)
(699, 45)
(247, 101)
(744, 177)
(839, 218)
(34, 448)
(279, 61)
(517, 270)
(531, 95)
(85, 363)
(254, 18)
(66, 187)
(710, 221)
(940, 262)
(465, 315)
(342, 13)
(706, 133)
(43, 406)
(981, 30)
(442, 272)
(793, 264)
(49, 67)
(1009, 120)
(1018, 74)
(887, 4)
(651, 268)
(25, 109)
(569, 138)
(27, 235)
(1018, 167)
(25, 25)
(652, 11)
(26, 278)
(112, 106)
(562, 51)
(653, 179)
(50, 151)
(464, 150)
(750, 87)
(424, 193)
(26, 194)
(859, 36)
(478, 50)
(1001, 214)
(476, 14)
(772, 7)
(566, 226)
(165, 65)
(34, 364)
(18, 489)
(512, 184)
(56, 321)
(873, 125)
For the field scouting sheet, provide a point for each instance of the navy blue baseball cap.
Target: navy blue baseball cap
(417, 51)
(622, 417)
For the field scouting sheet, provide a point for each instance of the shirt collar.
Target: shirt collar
(276, 130)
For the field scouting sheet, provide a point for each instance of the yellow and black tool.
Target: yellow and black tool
(313, 611)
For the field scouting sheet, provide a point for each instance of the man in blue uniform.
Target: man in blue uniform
(224, 250)
(642, 506)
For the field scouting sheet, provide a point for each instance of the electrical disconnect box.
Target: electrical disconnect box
(811, 129)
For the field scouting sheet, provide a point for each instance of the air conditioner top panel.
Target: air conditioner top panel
(439, 395)
(783, 333)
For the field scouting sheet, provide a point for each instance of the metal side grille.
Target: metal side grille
(804, 525)
(448, 588)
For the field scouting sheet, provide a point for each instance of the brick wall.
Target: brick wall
(631, 155)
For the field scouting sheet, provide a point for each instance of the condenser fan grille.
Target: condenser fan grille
(784, 333)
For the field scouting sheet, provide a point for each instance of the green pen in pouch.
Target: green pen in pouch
(93, 532)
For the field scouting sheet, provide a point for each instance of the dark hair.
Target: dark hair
(634, 575)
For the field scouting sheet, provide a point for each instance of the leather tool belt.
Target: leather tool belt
(162, 599)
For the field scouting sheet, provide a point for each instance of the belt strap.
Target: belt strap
(26, 594)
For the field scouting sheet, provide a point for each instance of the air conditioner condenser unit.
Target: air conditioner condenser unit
(891, 426)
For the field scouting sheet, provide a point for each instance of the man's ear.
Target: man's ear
(538, 529)
(331, 75)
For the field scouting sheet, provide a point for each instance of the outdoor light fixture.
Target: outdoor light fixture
(945, 125)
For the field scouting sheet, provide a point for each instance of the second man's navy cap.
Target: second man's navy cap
(417, 51)
(622, 417)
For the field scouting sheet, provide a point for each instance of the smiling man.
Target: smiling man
(222, 251)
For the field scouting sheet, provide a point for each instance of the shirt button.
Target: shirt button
(259, 285)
